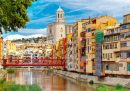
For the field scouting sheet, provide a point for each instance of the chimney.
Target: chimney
(77, 20)
(89, 19)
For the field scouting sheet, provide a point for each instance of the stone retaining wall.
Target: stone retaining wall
(3, 74)
(107, 80)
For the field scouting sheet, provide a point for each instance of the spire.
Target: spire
(59, 6)
(59, 9)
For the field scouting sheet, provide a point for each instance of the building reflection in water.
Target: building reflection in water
(47, 81)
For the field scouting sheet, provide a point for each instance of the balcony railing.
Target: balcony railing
(112, 32)
(83, 58)
(83, 53)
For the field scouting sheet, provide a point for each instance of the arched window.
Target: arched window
(61, 15)
(58, 15)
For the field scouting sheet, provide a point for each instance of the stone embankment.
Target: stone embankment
(31, 69)
(106, 80)
(3, 74)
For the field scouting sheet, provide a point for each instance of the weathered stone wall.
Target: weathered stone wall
(107, 80)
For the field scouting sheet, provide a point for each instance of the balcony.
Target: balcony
(93, 52)
(111, 72)
(125, 31)
(128, 38)
(118, 59)
(123, 48)
(128, 72)
(123, 39)
(82, 38)
(108, 60)
(83, 53)
(93, 37)
(112, 33)
(83, 58)
(128, 59)
(93, 43)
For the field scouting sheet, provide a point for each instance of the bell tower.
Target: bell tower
(59, 15)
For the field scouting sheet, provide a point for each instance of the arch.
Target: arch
(61, 15)
(58, 15)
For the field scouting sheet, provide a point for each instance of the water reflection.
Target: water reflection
(48, 81)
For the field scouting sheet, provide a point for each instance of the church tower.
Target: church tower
(59, 15)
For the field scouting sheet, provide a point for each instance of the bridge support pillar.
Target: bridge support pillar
(28, 68)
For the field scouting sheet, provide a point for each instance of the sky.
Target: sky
(42, 12)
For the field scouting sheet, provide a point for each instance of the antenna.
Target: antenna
(59, 5)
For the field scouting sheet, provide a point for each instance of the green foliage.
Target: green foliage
(4, 67)
(11, 86)
(29, 39)
(118, 86)
(10, 71)
(26, 47)
(91, 82)
(13, 14)
(79, 73)
(113, 76)
(102, 87)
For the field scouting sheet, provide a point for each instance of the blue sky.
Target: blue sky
(43, 12)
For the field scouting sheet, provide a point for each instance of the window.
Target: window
(81, 67)
(103, 46)
(106, 55)
(129, 54)
(86, 56)
(86, 62)
(89, 29)
(110, 55)
(88, 49)
(107, 67)
(122, 36)
(123, 54)
(110, 46)
(115, 39)
(115, 45)
(126, 19)
(107, 46)
(103, 55)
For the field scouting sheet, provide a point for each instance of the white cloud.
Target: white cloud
(104, 7)
(18, 36)
(37, 31)
(43, 20)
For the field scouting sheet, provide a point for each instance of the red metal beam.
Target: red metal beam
(33, 64)
(32, 59)
(36, 62)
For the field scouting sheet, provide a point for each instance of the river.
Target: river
(49, 81)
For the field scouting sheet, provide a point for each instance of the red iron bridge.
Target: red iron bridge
(33, 62)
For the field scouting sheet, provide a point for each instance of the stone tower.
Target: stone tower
(59, 15)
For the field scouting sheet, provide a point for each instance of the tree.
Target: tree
(13, 14)
(26, 47)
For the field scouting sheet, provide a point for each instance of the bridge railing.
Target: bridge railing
(33, 61)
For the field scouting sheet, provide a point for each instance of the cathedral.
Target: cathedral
(56, 30)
